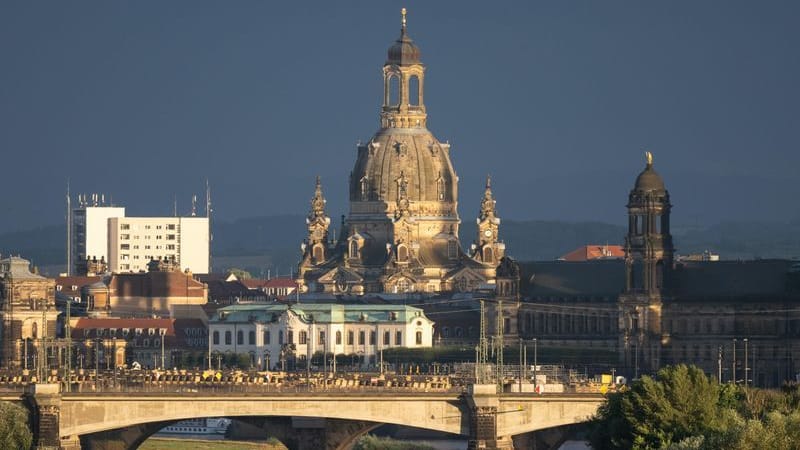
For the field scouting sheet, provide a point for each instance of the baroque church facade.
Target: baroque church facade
(401, 233)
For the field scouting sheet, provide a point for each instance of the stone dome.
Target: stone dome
(403, 155)
(649, 180)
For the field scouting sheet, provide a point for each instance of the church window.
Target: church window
(338, 338)
(280, 337)
(488, 255)
(353, 249)
(398, 338)
(452, 249)
(403, 285)
(440, 188)
(318, 254)
(419, 338)
(413, 91)
(228, 338)
(402, 253)
(372, 337)
(240, 337)
(394, 90)
(267, 337)
(216, 337)
(364, 188)
(321, 339)
(445, 332)
(361, 337)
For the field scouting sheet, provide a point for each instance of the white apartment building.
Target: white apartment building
(100, 231)
(134, 241)
(264, 330)
(90, 230)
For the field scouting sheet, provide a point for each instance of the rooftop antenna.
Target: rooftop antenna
(69, 231)
(194, 205)
(174, 205)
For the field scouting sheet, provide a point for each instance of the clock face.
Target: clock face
(487, 233)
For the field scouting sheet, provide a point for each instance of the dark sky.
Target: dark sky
(557, 100)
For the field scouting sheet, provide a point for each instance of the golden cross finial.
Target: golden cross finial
(403, 12)
(649, 157)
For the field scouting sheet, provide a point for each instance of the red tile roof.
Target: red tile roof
(590, 252)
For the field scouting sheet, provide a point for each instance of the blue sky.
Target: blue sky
(556, 100)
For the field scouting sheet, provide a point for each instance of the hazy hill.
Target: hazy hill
(272, 243)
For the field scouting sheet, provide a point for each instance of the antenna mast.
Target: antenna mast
(208, 216)
(69, 231)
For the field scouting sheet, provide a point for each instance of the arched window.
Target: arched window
(372, 337)
(440, 188)
(353, 249)
(413, 91)
(280, 337)
(488, 255)
(251, 338)
(267, 337)
(240, 337)
(452, 249)
(402, 253)
(364, 188)
(338, 338)
(419, 338)
(228, 337)
(318, 253)
(394, 90)
(216, 338)
(35, 330)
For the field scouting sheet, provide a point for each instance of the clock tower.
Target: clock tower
(487, 248)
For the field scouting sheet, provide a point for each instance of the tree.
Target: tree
(679, 403)
(14, 431)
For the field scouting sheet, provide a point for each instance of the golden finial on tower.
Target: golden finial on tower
(649, 157)
(403, 12)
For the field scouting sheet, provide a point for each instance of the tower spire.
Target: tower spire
(403, 13)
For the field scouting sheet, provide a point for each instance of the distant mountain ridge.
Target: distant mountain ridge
(259, 244)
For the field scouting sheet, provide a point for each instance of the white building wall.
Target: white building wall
(289, 322)
(134, 241)
(90, 231)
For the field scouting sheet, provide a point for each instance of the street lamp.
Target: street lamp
(163, 332)
(733, 364)
(535, 362)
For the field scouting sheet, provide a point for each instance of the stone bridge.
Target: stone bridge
(323, 419)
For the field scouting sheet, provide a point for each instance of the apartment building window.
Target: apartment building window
(240, 337)
(124, 226)
(398, 338)
(338, 338)
(228, 337)
(158, 236)
(124, 257)
(372, 337)
(125, 266)
(158, 227)
(170, 237)
(302, 338)
(171, 226)
(125, 247)
(124, 237)
(419, 337)
(251, 338)
(147, 227)
(136, 247)
(280, 337)
(267, 337)
(321, 338)
(171, 247)
(216, 337)
(290, 336)
(147, 247)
